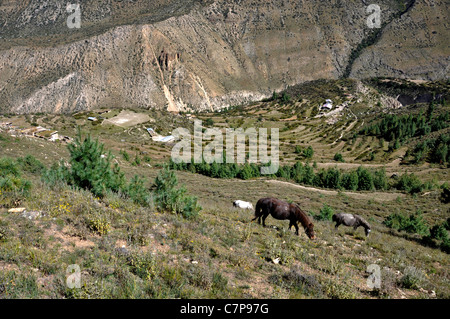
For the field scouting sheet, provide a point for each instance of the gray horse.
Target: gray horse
(351, 220)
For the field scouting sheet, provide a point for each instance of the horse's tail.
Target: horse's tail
(258, 209)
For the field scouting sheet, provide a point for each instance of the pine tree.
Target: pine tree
(350, 180)
(91, 169)
(365, 179)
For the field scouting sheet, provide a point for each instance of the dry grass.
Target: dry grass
(127, 251)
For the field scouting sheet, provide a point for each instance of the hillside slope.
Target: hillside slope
(204, 55)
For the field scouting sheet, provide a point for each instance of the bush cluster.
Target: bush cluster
(91, 169)
(415, 224)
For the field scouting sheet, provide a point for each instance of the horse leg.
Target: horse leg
(264, 218)
(292, 223)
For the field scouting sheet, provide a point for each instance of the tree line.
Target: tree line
(360, 179)
(397, 129)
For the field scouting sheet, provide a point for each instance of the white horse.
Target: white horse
(242, 204)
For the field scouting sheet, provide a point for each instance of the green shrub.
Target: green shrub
(143, 265)
(125, 155)
(326, 213)
(395, 221)
(380, 181)
(4, 233)
(446, 224)
(332, 178)
(412, 278)
(137, 161)
(246, 172)
(413, 224)
(9, 168)
(14, 184)
(219, 282)
(89, 168)
(57, 175)
(138, 192)
(416, 225)
(285, 97)
(445, 246)
(99, 225)
(308, 153)
(410, 183)
(30, 164)
(338, 158)
(445, 195)
(439, 232)
(209, 122)
(168, 198)
(13, 188)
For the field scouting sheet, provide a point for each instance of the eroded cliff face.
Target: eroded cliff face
(204, 55)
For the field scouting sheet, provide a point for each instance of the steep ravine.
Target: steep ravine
(203, 55)
(374, 35)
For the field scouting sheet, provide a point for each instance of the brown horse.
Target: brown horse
(282, 210)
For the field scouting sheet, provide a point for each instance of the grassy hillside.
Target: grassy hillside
(126, 250)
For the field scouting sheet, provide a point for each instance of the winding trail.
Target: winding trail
(378, 196)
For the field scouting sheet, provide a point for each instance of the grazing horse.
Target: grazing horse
(282, 210)
(351, 220)
(242, 204)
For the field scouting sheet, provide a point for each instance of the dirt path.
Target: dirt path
(378, 196)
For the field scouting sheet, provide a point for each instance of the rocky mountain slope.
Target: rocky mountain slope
(205, 55)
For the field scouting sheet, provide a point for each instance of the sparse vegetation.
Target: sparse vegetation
(149, 240)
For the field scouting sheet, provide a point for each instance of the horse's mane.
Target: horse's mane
(303, 217)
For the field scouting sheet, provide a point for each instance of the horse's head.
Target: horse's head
(309, 230)
(302, 217)
(365, 224)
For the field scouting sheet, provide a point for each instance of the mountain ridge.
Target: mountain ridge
(205, 55)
